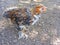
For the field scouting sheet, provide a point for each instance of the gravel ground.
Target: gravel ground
(48, 27)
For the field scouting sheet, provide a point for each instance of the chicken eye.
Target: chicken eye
(42, 8)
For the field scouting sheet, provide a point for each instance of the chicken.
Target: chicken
(24, 16)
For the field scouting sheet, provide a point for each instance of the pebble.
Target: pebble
(7, 43)
(15, 40)
(2, 41)
(2, 0)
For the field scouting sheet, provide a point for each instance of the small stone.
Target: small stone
(42, 22)
(38, 0)
(3, 8)
(10, 41)
(2, 41)
(15, 40)
(34, 40)
(15, 37)
(25, 1)
(39, 24)
(7, 43)
(33, 34)
(2, 33)
(3, 0)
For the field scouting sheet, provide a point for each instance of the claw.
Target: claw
(22, 35)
